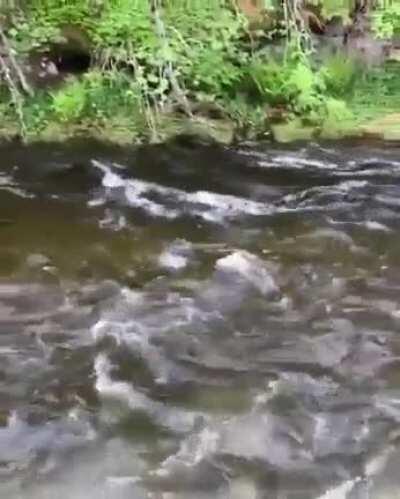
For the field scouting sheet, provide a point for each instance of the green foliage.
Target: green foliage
(250, 119)
(340, 74)
(302, 90)
(292, 84)
(97, 95)
(124, 33)
(69, 102)
(145, 63)
(266, 81)
(205, 41)
(337, 117)
(378, 93)
(387, 20)
(41, 24)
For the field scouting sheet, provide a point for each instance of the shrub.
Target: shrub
(69, 102)
(340, 74)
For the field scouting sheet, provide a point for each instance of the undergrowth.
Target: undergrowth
(147, 64)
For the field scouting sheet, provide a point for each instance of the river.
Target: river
(189, 321)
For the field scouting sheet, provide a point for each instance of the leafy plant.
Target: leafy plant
(337, 116)
(340, 74)
(69, 103)
(387, 20)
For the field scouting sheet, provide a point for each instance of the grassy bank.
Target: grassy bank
(136, 71)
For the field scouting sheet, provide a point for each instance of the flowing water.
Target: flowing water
(189, 322)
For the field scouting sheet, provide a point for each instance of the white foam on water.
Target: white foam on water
(192, 451)
(8, 184)
(304, 198)
(104, 328)
(5, 180)
(132, 335)
(225, 203)
(262, 398)
(251, 268)
(13, 420)
(369, 224)
(373, 468)
(210, 206)
(168, 417)
(372, 225)
(111, 180)
(8, 351)
(170, 260)
(348, 185)
(341, 491)
(122, 481)
(117, 390)
(387, 170)
(207, 445)
(135, 192)
(176, 255)
(137, 317)
(93, 203)
(297, 162)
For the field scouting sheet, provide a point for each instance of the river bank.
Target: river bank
(138, 75)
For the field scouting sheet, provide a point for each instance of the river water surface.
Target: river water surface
(190, 322)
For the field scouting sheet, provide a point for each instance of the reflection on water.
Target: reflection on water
(189, 323)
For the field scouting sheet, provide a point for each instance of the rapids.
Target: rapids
(189, 322)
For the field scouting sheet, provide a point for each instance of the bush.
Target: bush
(387, 21)
(69, 103)
(98, 95)
(340, 74)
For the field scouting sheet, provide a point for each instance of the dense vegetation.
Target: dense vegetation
(141, 69)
